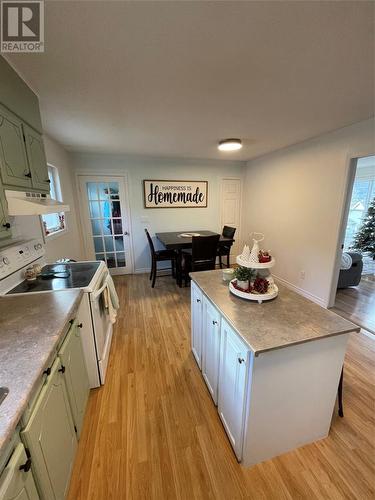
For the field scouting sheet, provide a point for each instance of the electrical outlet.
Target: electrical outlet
(302, 275)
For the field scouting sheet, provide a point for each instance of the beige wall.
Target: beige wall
(296, 197)
(172, 219)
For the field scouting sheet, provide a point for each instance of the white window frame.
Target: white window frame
(53, 174)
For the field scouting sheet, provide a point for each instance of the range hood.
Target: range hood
(20, 203)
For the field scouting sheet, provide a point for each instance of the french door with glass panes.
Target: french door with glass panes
(106, 222)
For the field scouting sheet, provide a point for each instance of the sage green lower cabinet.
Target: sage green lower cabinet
(75, 374)
(49, 435)
(14, 167)
(37, 159)
(16, 480)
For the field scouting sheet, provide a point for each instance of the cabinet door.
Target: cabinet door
(75, 374)
(16, 484)
(211, 347)
(13, 160)
(196, 323)
(37, 159)
(4, 231)
(51, 439)
(234, 357)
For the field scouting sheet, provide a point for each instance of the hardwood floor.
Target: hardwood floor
(358, 303)
(152, 432)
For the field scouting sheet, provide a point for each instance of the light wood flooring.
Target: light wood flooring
(152, 432)
(357, 303)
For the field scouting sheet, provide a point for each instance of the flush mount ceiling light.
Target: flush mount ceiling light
(230, 144)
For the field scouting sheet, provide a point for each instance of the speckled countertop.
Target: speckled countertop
(286, 320)
(31, 327)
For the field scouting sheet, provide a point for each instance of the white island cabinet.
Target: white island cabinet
(272, 368)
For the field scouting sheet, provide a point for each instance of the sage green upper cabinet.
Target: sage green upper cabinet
(75, 373)
(4, 229)
(14, 167)
(50, 437)
(37, 159)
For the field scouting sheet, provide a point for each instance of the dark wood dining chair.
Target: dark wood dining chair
(224, 250)
(201, 256)
(159, 256)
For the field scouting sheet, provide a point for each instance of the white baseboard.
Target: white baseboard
(142, 270)
(302, 292)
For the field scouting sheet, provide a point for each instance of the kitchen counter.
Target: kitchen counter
(284, 321)
(31, 327)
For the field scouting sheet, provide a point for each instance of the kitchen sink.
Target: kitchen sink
(4, 391)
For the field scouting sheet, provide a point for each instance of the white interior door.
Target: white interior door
(231, 210)
(105, 221)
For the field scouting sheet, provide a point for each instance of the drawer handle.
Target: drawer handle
(47, 371)
(214, 322)
(26, 466)
(241, 360)
(198, 300)
(62, 369)
(80, 325)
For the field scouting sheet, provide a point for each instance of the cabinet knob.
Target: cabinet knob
(28, 175)
(62, 369)
(214, 322)
(80, 325)
(47, 371)
(241, 360)
(26, 466)
(47, 180)
(198, 300)
(6, 225)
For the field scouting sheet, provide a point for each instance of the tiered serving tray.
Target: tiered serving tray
(258, 297)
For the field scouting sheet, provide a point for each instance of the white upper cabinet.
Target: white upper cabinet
(211, 347)
(234, 358)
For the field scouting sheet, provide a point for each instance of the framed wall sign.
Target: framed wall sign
(175, 194)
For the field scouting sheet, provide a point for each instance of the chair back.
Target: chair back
(203, 253)
(228, 232)
(150, 243)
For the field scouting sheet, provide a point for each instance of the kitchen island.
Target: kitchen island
(273, 368)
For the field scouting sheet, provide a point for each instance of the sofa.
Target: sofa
(352, 276)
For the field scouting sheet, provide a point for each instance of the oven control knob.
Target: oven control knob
(6, 261)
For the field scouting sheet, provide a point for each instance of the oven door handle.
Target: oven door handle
(95, 295)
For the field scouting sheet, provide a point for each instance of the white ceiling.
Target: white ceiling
(172, 78)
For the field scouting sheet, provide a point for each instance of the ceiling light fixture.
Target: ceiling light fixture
(230, 144)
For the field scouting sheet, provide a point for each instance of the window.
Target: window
(53, 223)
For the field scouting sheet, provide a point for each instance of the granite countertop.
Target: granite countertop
(286, 320)
(31, 327)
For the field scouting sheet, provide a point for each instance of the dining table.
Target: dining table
(181, 240)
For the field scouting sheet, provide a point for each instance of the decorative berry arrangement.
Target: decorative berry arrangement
(260, 285)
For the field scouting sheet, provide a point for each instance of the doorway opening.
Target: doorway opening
(355, 296)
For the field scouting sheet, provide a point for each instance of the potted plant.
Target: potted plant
(243, 276)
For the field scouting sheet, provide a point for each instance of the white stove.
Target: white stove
(90, 276)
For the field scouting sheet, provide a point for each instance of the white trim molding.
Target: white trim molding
(302, 292)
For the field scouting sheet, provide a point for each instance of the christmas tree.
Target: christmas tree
(364, 240)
